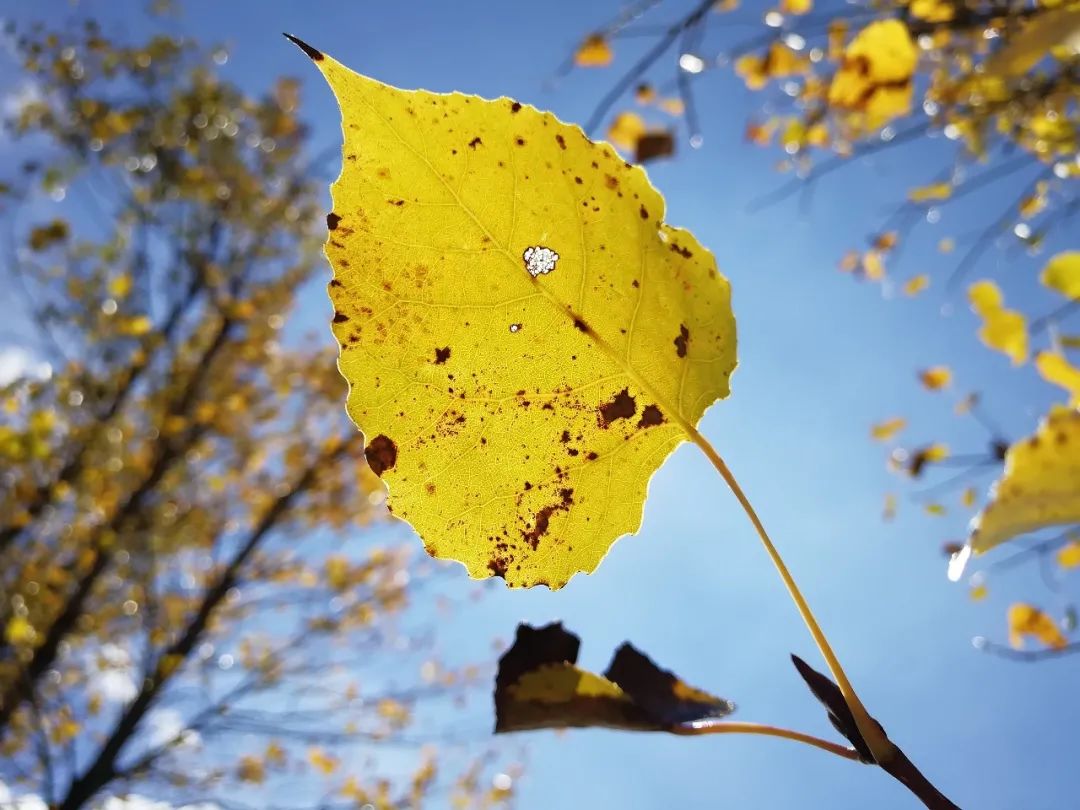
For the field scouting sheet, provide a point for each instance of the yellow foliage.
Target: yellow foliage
(916, 284)
(796, 6)
(1062, 274)
(935, 378)
(1056, 369)
(1027, 620)
(251, 769)
(1040, 486)
(626, 130)
(874, 77)
(932, 192)
(883, 431)
(1068, 556)
(593, 52)
(1003, 329)
(1041, 33)
(978, 592)
(19, 631)
(933, 11)
(504, 289)
(323, 762)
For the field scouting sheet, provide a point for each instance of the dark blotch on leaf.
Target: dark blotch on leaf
(561, 141)
(650, 417)
(340, 317)
(442, 355)
(664, 697)
(543, 518)
(314, 55)
(681, 340)
(644, 212)
(475, 142)
(580, 325)
(622, 407)
(332, 221)
(515, 107)
(381, 454)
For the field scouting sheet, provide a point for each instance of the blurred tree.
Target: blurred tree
(1001, 82)
(180, 618)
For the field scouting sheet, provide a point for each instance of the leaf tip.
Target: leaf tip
(314, 55)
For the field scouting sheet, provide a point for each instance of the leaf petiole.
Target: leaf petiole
(882, 749)
(728, 727)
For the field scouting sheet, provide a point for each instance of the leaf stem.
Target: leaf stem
(727, 727)
(879, 744)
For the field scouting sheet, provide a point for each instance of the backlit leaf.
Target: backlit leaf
(1062, 274)
(525, 338)
(1003, 329)
(1042, 32)
(625, 130)
(1040, 486)
(916, 284)
(538, 685)
(934, 191)
(1027, 620)
(1056, 369)
(874, 78)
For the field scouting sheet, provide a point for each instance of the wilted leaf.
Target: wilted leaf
(525, 339)
(1062, 274)
(593, 52)
(539, 686)
(1027, 620)
(1003, 329)
(936, 378)
(1040, 486)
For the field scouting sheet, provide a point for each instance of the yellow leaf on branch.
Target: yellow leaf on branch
(1003, 329)
(1027, 620)
(1040, 486)
(1062, 274)
(526, 339)
(593, 52)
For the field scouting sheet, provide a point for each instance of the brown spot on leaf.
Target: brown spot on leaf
(497, 566)
(644, 212)
(475, 142)
(340, 317)
(515, 107)
(332, 221)
(381, 454)
(684, 252)
(519, 141)
(622, 406)
(561, 141)
(580, 325)
(591, 456)
(543, 518)
(442, 355)
(650, 417)
(681, 340)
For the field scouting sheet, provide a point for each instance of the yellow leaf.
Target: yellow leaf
(933, 11)
(935, 509)
(873, 265)
(672, 106)
(1003, 329)
(883, 431)
(1040, 486)
(874, 78)
(1027, 620)
(625, 130)
(978, 592)
(593, 52)
(19, 631)
(1062, 274)
(935, 191)
(946, 245)
(796, 6)
(136, 326)
(1068, 556)
(251, 769)
(1055, 369)
(525, 338)
(936, 378)
(323, 762)
(644, 94)
(120, 286)
(916, 284)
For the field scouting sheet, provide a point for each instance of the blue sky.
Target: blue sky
(821, 358)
